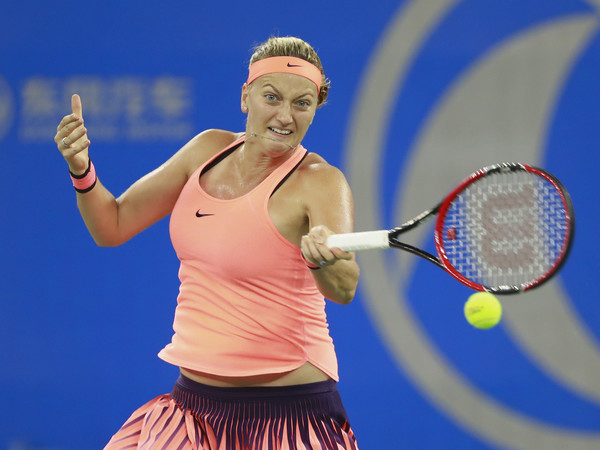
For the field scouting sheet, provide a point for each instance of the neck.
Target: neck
(253, 161)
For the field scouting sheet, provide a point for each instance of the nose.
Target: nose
(284, 113)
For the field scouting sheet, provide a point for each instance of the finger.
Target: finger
(74, 137)
(309, 250)
(319, 233)
(341, 254)
(71, 119)
(67, 129)
(71, 152)
(315, 252)
(76, 105)
(74, 148)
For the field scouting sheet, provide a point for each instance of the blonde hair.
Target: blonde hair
(292, 46)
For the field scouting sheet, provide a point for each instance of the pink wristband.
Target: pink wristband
(86, 181)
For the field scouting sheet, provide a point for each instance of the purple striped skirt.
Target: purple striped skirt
(197, 416)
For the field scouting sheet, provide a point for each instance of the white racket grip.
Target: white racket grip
(364, 240)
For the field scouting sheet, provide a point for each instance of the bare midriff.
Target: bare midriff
(307, 373)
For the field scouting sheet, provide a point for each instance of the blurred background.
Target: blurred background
(423, 93)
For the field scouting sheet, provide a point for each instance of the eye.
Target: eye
(304, 104)
(271, 97)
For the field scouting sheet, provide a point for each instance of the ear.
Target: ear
(244, 99)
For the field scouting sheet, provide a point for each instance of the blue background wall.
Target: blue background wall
(423, 92)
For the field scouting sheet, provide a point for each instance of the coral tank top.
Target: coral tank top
(247, 303)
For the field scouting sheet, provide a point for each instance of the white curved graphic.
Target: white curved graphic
(482, 122)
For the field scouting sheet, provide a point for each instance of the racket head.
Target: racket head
(505, 229)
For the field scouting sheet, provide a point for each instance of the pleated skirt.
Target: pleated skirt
(197, 416)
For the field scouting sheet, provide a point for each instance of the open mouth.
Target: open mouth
(280, 131)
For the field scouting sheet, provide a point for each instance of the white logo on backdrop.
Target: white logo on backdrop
(475, 121)
(120, 109)
(7, 108)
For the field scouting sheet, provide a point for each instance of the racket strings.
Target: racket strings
(506, 229)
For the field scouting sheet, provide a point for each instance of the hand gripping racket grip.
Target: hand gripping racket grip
(365, 240)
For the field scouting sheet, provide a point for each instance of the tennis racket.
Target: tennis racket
(505, 229)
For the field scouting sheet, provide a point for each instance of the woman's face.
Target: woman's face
(281, 107)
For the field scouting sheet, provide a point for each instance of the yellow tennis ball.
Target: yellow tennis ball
(483, 310)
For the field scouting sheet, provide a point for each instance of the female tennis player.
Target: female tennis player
(250, 213)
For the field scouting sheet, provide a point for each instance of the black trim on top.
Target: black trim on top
(288, 174)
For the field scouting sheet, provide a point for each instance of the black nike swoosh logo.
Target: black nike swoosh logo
(294, 65)
(199, 214)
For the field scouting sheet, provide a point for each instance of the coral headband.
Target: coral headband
(285, 64)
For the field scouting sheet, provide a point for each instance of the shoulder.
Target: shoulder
(205, 145)
(215, 136)
(325, 194)
(315, 170)
(318, 182)
(213, 140)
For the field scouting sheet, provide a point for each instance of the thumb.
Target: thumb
(76, 106)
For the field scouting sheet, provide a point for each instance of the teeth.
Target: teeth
(277, 130)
